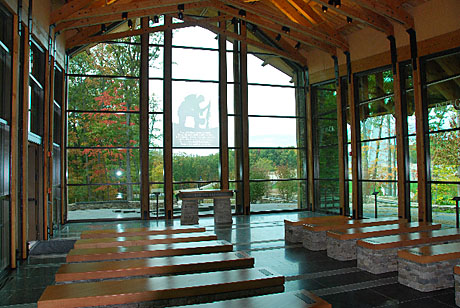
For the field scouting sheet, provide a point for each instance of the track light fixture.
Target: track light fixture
(297, 46)
(156, 19)
(338, 3)
(330, 2)
(181, 7)
(349, 20)
(324, 9)
(278, 37)
(286, 29)
(242, 13)
(124, 15)
(103, 28)
(130, 24)
(180, 15)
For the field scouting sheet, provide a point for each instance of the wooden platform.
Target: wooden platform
(137, 231)
(144, 240)
(232, 283)
(153, 266)
(365, 232)
(148, 251)
(352, 223)
(298, 299)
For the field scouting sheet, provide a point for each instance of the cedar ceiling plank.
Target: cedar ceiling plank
(267, 23)
(68, 9)
(396, 13)
(257, 12)
(311, 15)
(363, 15)
(290, 12)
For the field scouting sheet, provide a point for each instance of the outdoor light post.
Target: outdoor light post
(375, 193)
(456, 199)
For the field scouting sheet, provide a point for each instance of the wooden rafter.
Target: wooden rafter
(290, 12)
(362, 15)
(68, 9)
(280, 22)
(116, 16)
(286, 46)
(82, 35)
(392, 11)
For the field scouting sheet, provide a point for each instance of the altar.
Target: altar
(222, 207)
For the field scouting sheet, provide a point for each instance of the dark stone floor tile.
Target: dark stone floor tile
(307, 284)
(423, 303)
(358, 299)
(403, 293)
(24, 297)
(345, 279)
(447, 298)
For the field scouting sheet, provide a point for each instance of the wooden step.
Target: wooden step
(147, 251)
(154, 266)
(137, 231)
(432, 253)
(352, 223)
(410, 239)
(298, 299)
(207, 285)
(144, 240)
(365, 232)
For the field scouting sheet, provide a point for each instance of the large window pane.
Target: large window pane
(444, 105)
(156, 167)
(260, 72)
(445, 157)
(273, 164)
(274, 101)
(387, 199)
(195, 64)
(377, 119)
(195, 37)
(156, 130)
(199, 165)
(272, 132)
(327, 196)
(156, 96)
(378, 159)
(375, 85)
(442, 67)
(156, 62)
(443, 206)
(276, 195)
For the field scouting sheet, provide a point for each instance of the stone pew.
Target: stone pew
(341, 244)
(428, 268)
(314, 235)
(457, 284)
(379, 255)
(147, 251)
(137, 231)
(165, 291)
(88, 271)
(297, 299)
(293, 228)
(144, 240)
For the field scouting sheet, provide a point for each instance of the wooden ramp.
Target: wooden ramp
(144, 240)
(153, 266)
(138, 231)
(194, 288)
(148, 251)
(299, 299)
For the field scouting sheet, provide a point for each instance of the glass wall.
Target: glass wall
(441, 86)
(377, 141)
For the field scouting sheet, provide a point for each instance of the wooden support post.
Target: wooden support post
(144, 123)
(310, 156)
(25, 140)
(167, 110)
(424, 215)
(14, 142)
(355, 150)
(50, 145)
(244, 119)
(45, 144)
(341, 149)
(223, 117)
(403, 204)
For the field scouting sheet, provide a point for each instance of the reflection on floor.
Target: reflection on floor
(262, 236)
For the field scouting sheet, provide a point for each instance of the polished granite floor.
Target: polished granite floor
(262, 236)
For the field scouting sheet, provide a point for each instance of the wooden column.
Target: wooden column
(25, 140)
(244, 119)
(422, 144)
(310, 156)
(341, 149)
(14, 156)
(403, 205)
(50, 145)
(167, 129)
(223, 116)
(144, 122)
(45, 143)
(355, 150)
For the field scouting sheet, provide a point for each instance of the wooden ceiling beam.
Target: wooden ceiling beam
(68, 9)
(257, 13)
(306, 10)
(82, 34)
(286, 46)
(290, 12)
(266, 23)
(85, 22)
(396, 13)
(362, 15)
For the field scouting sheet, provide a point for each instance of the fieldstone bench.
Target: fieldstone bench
(314, 235)
(293, 228)
(379, 255)
(144, 240)
(341, 244)
(165, 291)
(428, 268)
(153, 266)
(148, 251)
(297, 299)
(137, 231)
(457, 284)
